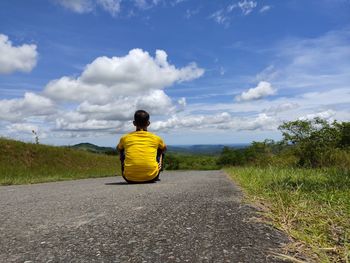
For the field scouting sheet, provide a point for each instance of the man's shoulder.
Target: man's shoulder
(134, 135)
(126, 135)
(154, 135)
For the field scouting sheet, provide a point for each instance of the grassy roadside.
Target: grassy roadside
(312, 206)
(26, 163)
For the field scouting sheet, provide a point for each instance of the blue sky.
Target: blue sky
(207, 71)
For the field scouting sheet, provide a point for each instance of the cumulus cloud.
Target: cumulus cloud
(109, 90)
(135, 74)
(263, 89)
(116, 115)
(220, 121)
(191, 121)
(261, 122)
(247, 6)
(31, 105)
(22, 127)
(16, 58)
(88, 125)
(105, 96)
(327, 115)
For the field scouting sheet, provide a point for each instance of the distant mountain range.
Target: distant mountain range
(202, 148)
(183, 149)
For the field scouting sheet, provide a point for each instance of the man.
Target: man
(141, 152)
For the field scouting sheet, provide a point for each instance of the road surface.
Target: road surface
(189, 216)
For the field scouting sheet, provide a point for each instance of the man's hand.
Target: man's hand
(160, 162)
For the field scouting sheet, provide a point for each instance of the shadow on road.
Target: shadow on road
(117, 183)
(126, 183)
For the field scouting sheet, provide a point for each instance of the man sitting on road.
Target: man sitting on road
(141, 152)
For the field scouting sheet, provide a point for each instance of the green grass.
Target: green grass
(180, 161)
(312, 206)
(198, 162)
(26, 163)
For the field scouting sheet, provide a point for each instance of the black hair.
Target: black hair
(141, 118)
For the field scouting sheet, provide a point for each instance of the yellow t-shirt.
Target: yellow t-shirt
(140, 148)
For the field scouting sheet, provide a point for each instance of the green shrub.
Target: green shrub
(190, 162)
(171, 162)
(316, 141)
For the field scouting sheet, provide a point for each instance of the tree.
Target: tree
(230, 156)
(171, 162)
(314, 140)
(344, 129)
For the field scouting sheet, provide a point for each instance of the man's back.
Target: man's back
(140, 149)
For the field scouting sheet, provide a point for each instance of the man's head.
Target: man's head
(141, 119)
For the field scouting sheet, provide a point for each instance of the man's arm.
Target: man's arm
(160, 153)
(120, 149)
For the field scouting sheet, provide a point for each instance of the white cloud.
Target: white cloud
(31, 105)
(282, 107)
(114, 115)
(222, 71)
(107, 79)
(22, 127)
(24, 131)
(176, 2)
(195, 122)
(105, 96)
(221, 17)
(262, 90)
(220, 121)
(156, 102)
(21, 58)
(322, 63)
(182, 103)
(265, 9)
(190, 13)
(261, 122)
(87, 6)
(247, 6)
(88, 125)
(146, 4)
(78, 6)
(327, 115)
(111, 6)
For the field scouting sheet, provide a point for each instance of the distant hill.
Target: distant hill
(94, 148)
(207, 149)
(210, 149)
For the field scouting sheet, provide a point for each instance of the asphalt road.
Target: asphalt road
(192, 216)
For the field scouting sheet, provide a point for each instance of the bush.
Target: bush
(171, 162)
